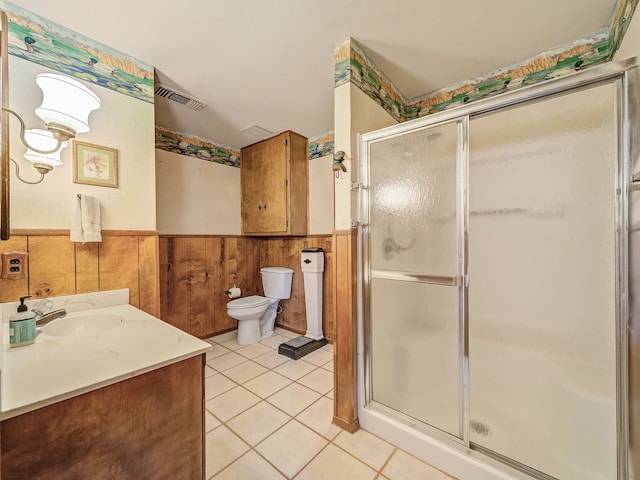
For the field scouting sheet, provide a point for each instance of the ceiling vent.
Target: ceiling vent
(257, 131)
(180, 97)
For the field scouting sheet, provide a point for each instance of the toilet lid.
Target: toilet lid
(248, 302)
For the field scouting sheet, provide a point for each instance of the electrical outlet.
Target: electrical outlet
(14, 264)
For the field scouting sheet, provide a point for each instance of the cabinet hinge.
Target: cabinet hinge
(286, 142)
(287, 223)
(286, 183)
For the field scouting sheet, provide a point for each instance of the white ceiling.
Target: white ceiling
(271, 62)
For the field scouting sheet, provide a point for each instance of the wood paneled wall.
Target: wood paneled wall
(183, 279)
(57, 266)
(345, 395)
(285, 252)
(196, 271)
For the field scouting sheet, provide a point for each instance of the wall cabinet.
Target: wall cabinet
(274, 178)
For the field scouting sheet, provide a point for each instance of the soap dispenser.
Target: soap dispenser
(22, 326)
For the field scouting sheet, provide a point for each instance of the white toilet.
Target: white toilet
(256, 315)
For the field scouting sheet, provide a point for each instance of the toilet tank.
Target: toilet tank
(276, 282)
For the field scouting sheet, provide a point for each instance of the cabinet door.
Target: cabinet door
(274, 176)
(265, 187)
(251, 187)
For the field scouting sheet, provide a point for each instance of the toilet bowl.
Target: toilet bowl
(256, 315)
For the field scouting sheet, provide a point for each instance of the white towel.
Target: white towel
(85, 220)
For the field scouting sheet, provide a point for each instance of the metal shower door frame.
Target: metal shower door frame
(625, 76)
(459, 280)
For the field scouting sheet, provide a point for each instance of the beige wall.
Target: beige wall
(122, 122)
(196, 197)
(354, 113)
(321, 196)
(342, 133)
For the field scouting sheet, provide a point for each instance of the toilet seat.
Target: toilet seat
(248, 302)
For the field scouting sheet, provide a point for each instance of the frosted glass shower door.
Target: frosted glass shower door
(415, 267)
(542, 284)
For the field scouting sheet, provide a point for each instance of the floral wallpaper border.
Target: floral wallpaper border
(192, 146)
(351, 64)
(36, 39)
(321, 145)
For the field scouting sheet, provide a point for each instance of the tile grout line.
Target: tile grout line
(265, 399)
(393, 452)
(379, 475)
(253, 447)
(329, 441)
(311, 459)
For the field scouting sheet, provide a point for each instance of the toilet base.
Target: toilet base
(300, 346)
(248, 332)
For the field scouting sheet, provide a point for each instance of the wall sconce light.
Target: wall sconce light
(42, 140)
(66, 105)
(338, 166)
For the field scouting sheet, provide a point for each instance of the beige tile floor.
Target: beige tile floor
(269, 417)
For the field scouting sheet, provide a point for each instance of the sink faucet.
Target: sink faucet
(43, 318)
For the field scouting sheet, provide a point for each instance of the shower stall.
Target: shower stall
(496, 333)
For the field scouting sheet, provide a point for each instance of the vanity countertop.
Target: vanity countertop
(55, 368)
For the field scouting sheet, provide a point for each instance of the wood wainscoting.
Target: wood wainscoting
(285, 252)
(57, 266)
(345, 394)
(183, 279)
(197, 270)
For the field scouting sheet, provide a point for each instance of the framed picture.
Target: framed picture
(95, 165)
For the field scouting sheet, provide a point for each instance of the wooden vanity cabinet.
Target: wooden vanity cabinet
(147, 426)
(274, 178)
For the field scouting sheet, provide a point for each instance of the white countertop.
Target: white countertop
(55, 368)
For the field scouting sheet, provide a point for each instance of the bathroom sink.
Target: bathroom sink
(82, 325)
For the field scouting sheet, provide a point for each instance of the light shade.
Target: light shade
(65, 101)
(43, 140)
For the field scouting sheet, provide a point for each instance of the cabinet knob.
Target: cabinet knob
(264, 206)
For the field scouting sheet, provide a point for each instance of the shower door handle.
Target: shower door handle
(452, 281)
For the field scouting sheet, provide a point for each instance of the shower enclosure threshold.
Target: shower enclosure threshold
(456, 460)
